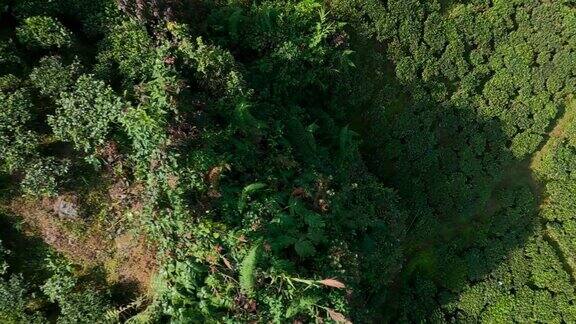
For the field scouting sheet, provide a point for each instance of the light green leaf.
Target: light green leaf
(246, 192)
(247, 271)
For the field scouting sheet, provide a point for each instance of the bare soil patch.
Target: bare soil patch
(127, 259)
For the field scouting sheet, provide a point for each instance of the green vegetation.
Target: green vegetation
(43, 33)
(84, 115)
(287, 161)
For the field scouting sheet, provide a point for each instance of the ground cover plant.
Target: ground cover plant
(287, 161)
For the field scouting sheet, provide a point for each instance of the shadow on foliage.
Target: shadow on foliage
(470, 202)
(27, 253)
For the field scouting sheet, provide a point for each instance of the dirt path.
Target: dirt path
(558, 132)
(555, 136)
(127, 260)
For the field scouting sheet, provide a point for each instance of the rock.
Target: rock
(66, 209)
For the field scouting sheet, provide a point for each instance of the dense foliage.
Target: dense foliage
(469, 139)
(289, 160)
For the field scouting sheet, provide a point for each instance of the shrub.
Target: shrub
(15, 297)
(8, 53)
(43, 177)
(525, 143)
(44, 33)
(85, 115)
(9, 83)
(51, 77)
(29, 8)
(130, 47)
(77, 303)
(98, 17)
(17, 142)
(84, 307)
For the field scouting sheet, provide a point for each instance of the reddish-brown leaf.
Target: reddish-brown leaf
(338, 317)
(227, 263)
(332, 283)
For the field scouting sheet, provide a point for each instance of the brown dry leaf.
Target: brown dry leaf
(214, 175)
(338, 317)
(154, 163)
(227, 263)
(169, 60)
(173, 181)
(332, 283)
(214, 193)
(299, 192)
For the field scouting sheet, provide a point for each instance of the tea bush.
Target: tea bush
(93, 106)
(44, 33)
(17, 142)
(51, 77)
(43, 177)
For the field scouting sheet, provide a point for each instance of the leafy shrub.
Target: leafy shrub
(77, 303)
(43, 177)
(51, 77)
(15, 296)
(146, 124)
(29, 8)
(85, 115)
(525, 143)
(17, 142)
(9, 57)
(213, 67)
(87, 306)
(9, 83)
(42, 32)
(561, 202)
(130, 47)
(97, 16)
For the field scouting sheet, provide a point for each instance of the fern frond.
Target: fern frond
(247, 271)
(246, 192)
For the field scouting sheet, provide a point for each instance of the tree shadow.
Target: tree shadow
(470, 201)
(27, 252)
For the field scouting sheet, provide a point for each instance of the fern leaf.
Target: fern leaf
(246, 192)
(246, 121)
(247, 271)
(305, 248)
(234, 21)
